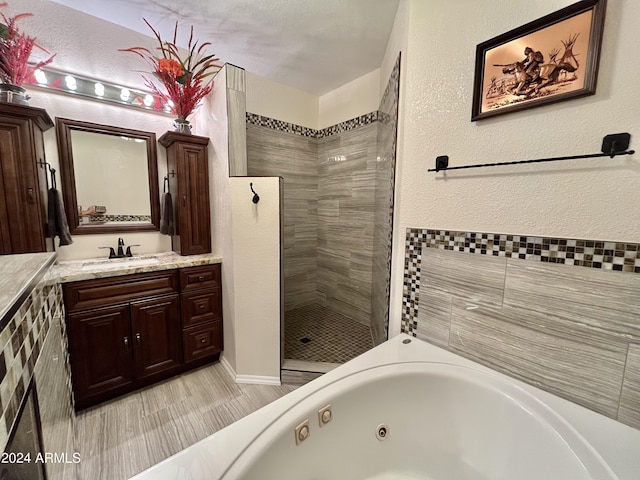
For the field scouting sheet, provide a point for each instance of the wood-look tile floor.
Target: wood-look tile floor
(123, 437)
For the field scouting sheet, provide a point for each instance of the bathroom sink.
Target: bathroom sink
(118, 263)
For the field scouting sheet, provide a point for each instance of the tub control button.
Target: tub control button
(302, 432)
(324, 415)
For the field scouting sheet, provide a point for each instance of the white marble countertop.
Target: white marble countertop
(88, 269)
(18, 275)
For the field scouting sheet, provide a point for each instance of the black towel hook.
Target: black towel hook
(256, 197)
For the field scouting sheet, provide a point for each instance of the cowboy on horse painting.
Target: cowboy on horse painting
(532, 74)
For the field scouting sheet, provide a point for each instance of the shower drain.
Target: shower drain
(382, 432)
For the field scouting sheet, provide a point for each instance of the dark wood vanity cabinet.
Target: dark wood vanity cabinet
(23, 179)
(124, 333)
(201, 300)
(130, 331)
(187, 164)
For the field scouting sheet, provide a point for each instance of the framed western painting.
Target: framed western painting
(551, 59)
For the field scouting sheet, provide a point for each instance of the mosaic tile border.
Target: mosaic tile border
(120, 218)
(617, 256)
(286, 127)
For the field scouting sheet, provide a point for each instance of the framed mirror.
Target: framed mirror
(109, 177)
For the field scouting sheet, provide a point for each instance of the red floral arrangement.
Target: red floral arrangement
(15, 50)
(184, 80)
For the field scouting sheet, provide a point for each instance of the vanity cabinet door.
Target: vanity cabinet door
(101, 344)
(156, 333)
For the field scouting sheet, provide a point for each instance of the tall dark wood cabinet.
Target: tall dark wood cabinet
(187, 164)
(23, 179)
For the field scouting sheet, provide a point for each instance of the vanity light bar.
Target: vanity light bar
(72, 84)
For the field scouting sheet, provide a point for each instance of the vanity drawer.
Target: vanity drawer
(206, 276)
(202, 341)
(113, 290)
(201, 306)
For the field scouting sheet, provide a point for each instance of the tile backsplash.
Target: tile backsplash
(33, 343)
(561, 314)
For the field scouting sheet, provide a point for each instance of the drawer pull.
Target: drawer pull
(203, 340)
(138, 337)
(201, 278)
(126, 342)
(201, 307)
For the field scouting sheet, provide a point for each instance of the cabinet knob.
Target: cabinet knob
(201, 307)
(201, 278)
(138, 337)
(30, 197)
(203, 340)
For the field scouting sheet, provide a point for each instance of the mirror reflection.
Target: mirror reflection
(109, 176)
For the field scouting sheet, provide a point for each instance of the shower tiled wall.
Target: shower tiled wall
(346, 200)
(561, 314)
(338, 204)
(383, 208)
(34, 345)
(272, 152)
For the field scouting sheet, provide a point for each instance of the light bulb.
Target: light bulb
(41, 77)
(148, 100)
(70, 82)
(99, 88)
(124, 94)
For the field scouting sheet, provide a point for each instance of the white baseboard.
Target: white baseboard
(258, 379)
(249, 379)
(227, 366)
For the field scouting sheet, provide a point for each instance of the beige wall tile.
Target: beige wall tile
(629, 412)
(583, 373)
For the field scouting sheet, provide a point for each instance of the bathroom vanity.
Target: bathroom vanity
(134, 321)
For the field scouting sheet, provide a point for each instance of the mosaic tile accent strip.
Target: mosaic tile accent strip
(624, 257)
(287, 127)
(618, 256)
(120, 218)
(280, 126)
(21, 342)
(318, 334)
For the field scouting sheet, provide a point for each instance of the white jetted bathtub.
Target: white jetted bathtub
(409, 410)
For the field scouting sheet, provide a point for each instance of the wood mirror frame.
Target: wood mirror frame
(64, 127)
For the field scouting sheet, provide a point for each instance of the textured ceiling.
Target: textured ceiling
(313, 45)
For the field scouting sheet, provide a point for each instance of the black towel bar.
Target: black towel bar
(612, 145)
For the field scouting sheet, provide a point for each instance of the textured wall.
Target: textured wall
(594, 198)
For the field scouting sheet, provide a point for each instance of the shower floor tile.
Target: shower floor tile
(316, 333)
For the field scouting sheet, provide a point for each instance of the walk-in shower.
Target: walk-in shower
(337, 219)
